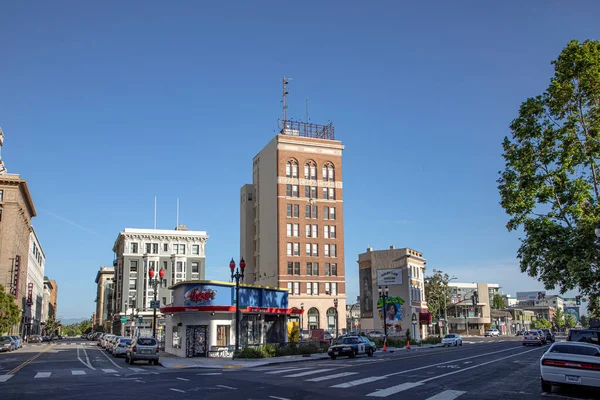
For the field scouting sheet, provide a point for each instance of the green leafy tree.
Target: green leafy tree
(550, 184)
(436, 293)
(541, 323)
(584, 321)
(51, 327)
(9, 311)
(558, 319)
(570, 321)
(498, 302)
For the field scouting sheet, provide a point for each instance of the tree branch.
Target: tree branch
(587, 135)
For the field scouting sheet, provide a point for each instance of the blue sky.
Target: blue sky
(105, 107)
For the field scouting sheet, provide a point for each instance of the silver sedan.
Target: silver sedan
(452, 339)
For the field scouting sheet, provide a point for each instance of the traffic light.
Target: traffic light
(578, 300)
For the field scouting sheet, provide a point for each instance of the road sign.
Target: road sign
(123, 319)
(140, 320)
(155, 304)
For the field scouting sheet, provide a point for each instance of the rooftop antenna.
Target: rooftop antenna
(285, 93)
(154, 212)
(2, 167)
(177, 221)
(307, 110)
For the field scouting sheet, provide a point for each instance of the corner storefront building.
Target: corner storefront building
(201, 320)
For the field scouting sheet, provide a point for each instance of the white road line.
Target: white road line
(447, 395)
(183, 379)
(4, 378)
(108, 358)
(476, 366)
(43, 375)
(83, 362)
(327, 377)
(136, 369)
(227, 387)
(316, 371)
(282, 371)
(370, 379)
(278, 398)
(109, 371)
(177, 390)
(394, 389)
(77, 372)
(211, 373)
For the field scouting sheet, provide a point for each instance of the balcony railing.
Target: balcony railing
(305, 129)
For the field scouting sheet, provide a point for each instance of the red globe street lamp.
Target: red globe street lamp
(155, 282)
(237, 276)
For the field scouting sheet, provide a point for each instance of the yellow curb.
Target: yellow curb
(233, 366)
(178, 366)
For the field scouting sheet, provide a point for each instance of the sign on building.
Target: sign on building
(30, 293)
(17, 266)
(528, 296)
(392, 276)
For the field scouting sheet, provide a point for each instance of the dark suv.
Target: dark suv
(549, 335)
(584, 335)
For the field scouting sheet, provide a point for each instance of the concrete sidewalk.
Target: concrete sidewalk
(170, 361)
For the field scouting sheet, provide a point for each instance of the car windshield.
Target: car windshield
(574, 349)
(585, 336)
(348, 340)
(450, 336)
(146, 342)
(5, 339)
(126, 341)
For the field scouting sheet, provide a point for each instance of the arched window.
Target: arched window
(332, 321)
(313, 319)
(310, 170)
(328, 172)
(291, 169)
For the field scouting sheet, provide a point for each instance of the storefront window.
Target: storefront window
(176, 337)
(222, 335)
(250, 330)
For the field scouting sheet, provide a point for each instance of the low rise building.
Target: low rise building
(35, 286)
(104, 295)
(470, 309)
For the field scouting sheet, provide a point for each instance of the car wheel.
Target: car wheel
(546, 386)
(456, 344)
(332, 357)
(370, 353)
(352, 354)
(461, 342)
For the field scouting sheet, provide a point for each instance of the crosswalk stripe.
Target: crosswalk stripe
(136, 369)
(327, 377)
(282, 371)
(316, 371)
(447, 395)
(394, 389)
(109, 371)
(43, 375)
(347, 385)
(77, 372)
(4, 378)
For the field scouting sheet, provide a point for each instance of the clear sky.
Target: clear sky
(106, 105)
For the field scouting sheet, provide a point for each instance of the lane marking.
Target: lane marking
(177, 390)
(227, 387)
(77, 372)
(4, 378)
(324, 378)
(476, 366)
(27, 362)
(42, 375)
(282, 371)
(183, 379)
(83, 362)
(278, 398)
(316, 371)
(394, 389)
(447, 395)
(370, 379)
(108, 358)
(109, 371)
(211, 373)
(136, 369)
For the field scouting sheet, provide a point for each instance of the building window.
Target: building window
(132, 284)
(315, 288)
(308, 268)
(328, 172)
(308, 231)
(179, 266)
(326, 250)
(296, 268)
(289, 230)
(309, 288)
(291, 169)
(327, 289)
(289, 286)
(310, 170)
(290, 269)
(288, 190)
(327, 269)
(315, 250)
(315, 231)
(249, 196)
(223, 335)
(315, 269)
(148, 248)
(166, 247)
(334, 289)
(134, 248)
(154, 248)
(196, 249)
(179, 248)
(297, 288)
(296, 249)
(332, 232)
(333, 250)
(296, 230)
(326, 231)
(333, 269)
(1, 195)
(294, 190)
(289, 249)
(165, 265)
(195, 268)
(329, 193)
(296, 211)
(133, 267)
(308, 247)
(310, 192)
(288, 209)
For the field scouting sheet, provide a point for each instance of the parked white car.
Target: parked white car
(452, 339)
(570, 363)
(492, 332)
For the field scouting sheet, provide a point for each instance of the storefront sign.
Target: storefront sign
(388, 277)
(30, 293)
(17, 266)
(425, 318)
(195, 296)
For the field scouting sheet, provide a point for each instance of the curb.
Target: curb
(268, 363)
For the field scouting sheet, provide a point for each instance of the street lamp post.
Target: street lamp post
(335, 304)
(155, 282)
(383, 295)
(237, 275)
(414, 325)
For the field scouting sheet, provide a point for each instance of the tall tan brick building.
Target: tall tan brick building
(16, 211)
(292, 225)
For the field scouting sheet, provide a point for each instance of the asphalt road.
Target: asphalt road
(482, 369)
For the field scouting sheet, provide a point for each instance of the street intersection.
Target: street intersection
(481, 369)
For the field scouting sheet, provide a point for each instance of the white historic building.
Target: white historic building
(35, 286)
(181, 253)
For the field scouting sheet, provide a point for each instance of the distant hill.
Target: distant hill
(71, 321)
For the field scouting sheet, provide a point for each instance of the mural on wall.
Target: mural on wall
(394, 313)
(366, 294)
(197, 296)
(574, 311)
